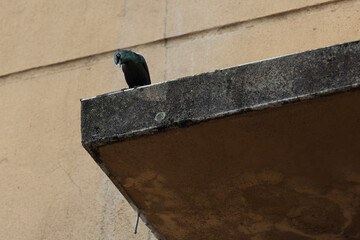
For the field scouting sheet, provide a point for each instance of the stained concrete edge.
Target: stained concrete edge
(146, 110)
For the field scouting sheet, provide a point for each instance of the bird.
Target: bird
(134, 66)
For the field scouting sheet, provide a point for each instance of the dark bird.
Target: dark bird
(134, 66)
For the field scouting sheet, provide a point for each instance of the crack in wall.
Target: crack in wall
(165, 41)
(71, 179)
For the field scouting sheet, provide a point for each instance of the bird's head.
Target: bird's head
(121, 57)
(117, 58)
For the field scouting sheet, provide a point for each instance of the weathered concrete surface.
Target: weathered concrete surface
(289, 172)
(118, 115)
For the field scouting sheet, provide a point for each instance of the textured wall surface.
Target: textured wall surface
(54, 53)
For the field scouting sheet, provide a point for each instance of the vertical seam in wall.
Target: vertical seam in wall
(165, 65)
(165, 40)
(122, 22)
(116, 81)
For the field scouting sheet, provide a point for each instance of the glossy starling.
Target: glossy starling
(134, 67)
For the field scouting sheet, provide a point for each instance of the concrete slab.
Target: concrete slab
(267, 150)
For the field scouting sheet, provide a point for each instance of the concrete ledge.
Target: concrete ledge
(119, 115)
(284, 172)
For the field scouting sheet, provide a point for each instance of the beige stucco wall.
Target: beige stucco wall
(54, 53)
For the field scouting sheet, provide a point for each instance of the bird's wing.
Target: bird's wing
(143, 63)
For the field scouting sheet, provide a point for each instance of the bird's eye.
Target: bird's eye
(118, 55)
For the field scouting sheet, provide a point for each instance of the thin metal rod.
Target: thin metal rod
(136, 222)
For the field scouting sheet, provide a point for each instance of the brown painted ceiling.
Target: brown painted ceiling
(291, 172)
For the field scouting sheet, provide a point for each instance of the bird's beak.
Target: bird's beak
(119, 63)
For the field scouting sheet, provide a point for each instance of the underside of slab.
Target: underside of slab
(268, 150)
